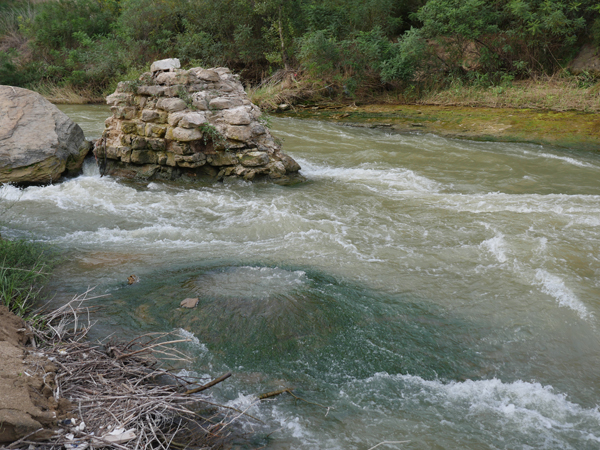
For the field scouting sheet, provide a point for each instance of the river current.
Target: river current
(415, 288)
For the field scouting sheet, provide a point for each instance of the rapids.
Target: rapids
(443, 292)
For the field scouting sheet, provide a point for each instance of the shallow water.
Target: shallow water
(436, 291)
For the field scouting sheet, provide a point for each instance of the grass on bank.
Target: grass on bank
(66, 94)
(24, 268)
(556, 93)
(561, 92)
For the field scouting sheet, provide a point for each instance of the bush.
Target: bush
(355, 63)
(408, 57)
(8, 69)
(319, 52)
(504, 36)
(12, 73)
(152, 23)
(57, 22)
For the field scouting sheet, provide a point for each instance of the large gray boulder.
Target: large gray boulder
(38, 142)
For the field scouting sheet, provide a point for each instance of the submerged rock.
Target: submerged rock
(38, 142)
(189, 303)
(174, 123)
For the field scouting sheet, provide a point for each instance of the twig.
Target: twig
(209, 385)
(273, 393)
(14, 444)
(114, 385)
(289, 391)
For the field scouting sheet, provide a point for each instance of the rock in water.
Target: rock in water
(189, 303)
(174, 123)
(38, 143)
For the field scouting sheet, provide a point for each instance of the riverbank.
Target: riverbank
(56, 384)
(559, 111)
(568, 129)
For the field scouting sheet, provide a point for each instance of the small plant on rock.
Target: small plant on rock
(265, 121)
(184, 95)
(131, 86)
(209, 131)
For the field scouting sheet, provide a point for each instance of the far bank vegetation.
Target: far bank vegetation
(466, 52)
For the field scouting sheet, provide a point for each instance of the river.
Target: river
(415, 288)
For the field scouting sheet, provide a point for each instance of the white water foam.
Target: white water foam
(399, 179)
(565, 159)
(524, 413)
(496, 246)
(506, 416)
(560, 204)
(276, 417)
(10, 193)
(548, 283)
(554, 286)
(193, 340)
(248, 282)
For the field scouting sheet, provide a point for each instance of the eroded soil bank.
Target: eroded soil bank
(569, 129)
(27, 403)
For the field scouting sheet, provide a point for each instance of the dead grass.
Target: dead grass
(66, 94)
(557, 93)
(11, 35)
(288, 87)
(122, 397)
(550, 93)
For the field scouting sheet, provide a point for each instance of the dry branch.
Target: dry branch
(121, 393)
(208, 385)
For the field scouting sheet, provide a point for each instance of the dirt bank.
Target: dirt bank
(27, 384)
(568, 129)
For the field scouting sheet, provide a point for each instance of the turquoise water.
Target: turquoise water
(416, 288)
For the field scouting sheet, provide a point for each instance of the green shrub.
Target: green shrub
(14, 74)
(199, 46)
(57, 22)
(408, 57)
(152, 23)
(504, 36)
(8, 69)
(319, 52)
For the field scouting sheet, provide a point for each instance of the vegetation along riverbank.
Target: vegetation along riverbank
(575, 130)
(56, 385)
(517, 53)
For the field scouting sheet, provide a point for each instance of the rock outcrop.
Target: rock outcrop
(174, 123)
(587, 60)
(38, 143)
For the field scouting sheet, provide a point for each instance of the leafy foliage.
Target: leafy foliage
(347, 45)
(56, 24)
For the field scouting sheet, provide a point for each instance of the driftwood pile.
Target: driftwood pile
(120, 396)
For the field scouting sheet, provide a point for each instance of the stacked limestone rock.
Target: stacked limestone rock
(175, 123)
